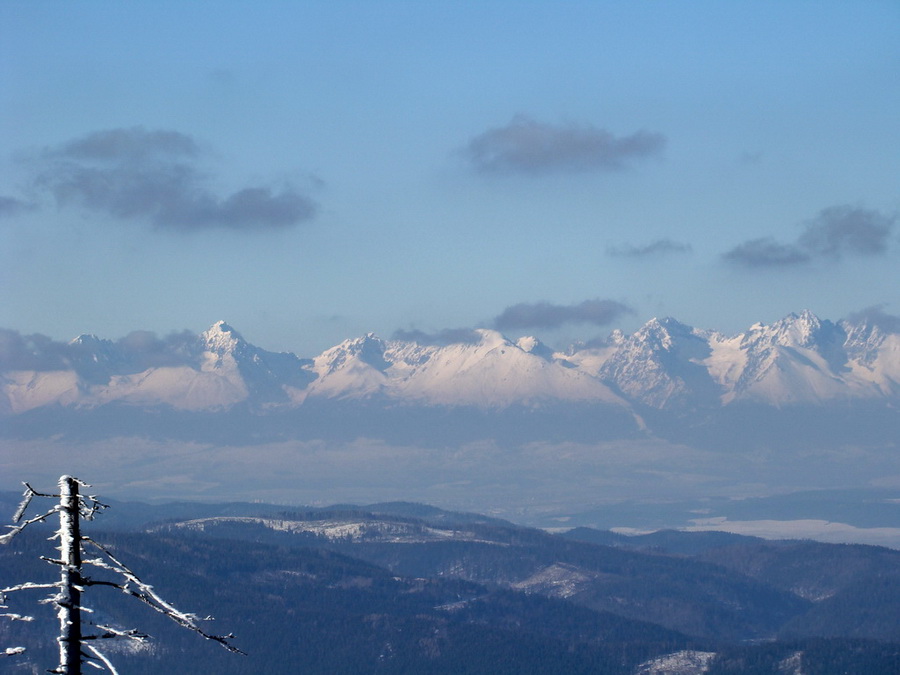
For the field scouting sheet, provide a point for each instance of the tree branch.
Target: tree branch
(73, 507)
(27, 586)
(99, 656)
(110, 632)
(148, 596)
(15, 529)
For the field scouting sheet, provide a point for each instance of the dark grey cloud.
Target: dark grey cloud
(766, 252)
(656, 248)
(135, 143)
(30, 352)
(142, 349)
(527, 146)
(833, 233)
(10, 206)
(842, 230)
(442, 338)
(548, 316)
(876, 316)
(247, 208)
(136, 352)
(154, 175)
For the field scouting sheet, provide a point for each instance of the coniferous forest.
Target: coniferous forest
(405, 588)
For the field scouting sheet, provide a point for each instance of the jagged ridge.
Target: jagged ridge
(665, 365)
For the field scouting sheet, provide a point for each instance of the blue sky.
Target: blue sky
(314, 171)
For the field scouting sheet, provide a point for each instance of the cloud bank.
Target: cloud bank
(441, 338)
(766, 252)
(654, 249)
(154, 175)
(840, 230)
(524, 316)
(876, 316)
(136, 352)
(834, 233)
(527, 146)
(10, 206)
(548, 316)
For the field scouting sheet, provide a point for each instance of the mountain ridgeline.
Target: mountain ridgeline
(667, 378)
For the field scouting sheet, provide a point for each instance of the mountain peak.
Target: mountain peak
(528, 343)
(660, 332)
(492, 338)
(92, 357)
(368, 349)
(794, 330)
(532, 345)
(221, 338)
(363, 343)
(89, 340)
(805, 320)
(222, 327)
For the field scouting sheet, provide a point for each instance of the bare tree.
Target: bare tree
(76, 552)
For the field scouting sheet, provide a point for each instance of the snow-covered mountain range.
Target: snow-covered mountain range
(665, 365)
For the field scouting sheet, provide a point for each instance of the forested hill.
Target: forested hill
(403, 588)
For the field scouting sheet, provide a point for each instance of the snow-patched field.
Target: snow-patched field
(341, 530)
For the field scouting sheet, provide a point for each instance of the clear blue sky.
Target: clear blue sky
(312, 171)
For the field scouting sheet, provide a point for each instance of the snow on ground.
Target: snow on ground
(559, 580)
(686, 662)
(341, 530)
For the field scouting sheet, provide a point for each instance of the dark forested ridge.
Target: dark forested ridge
(403, 588)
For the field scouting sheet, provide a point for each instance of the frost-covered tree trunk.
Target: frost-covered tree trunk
(76, 648)
(70, 583)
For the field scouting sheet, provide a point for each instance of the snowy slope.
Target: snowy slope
(662, 365)
(494, 372)
(802, 359)
(347, 529)
(353, 369)
(220, 370)
(665, 365)
(874, 357)
(24, 390)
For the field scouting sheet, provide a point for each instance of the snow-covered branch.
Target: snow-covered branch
(23, 505)
(15, 529)
(17, 617)
(12, 651)
(27, 586)
(145, 593)
(110, 632)
(10, 615)
(74, 645)
(98, 655)
(26, 500)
